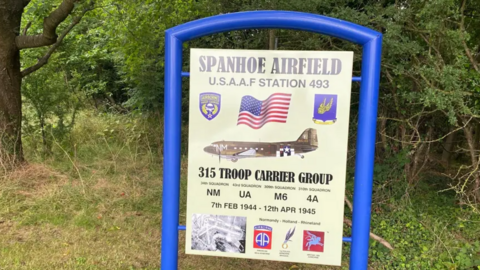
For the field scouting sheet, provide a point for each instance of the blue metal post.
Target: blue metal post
(171, 152)
(363, 182)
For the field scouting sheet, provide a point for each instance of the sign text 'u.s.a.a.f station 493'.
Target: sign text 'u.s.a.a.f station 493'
(268, 135)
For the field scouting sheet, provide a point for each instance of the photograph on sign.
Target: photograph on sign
(268, 138)
(218, 233)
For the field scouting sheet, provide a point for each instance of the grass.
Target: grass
(96, 204)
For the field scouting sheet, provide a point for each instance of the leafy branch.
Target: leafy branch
(44, 60)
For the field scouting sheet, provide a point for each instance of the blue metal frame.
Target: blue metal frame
(372, 46)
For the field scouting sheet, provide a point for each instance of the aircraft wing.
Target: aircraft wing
(250, 152)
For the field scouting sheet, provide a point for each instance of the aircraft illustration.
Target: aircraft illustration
(235, 150)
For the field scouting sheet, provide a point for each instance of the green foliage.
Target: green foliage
(96, 110)
(50, 106)
(138, 46)
(39, 9)
(119, 174)
(427, 232)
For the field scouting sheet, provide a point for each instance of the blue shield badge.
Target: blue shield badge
(325, 109)
(210, 105)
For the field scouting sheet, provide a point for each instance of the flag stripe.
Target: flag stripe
(275, 103)
(247, 122)
(284, 118)
(281, 107)
(278, 95)
(266, 110)
(276, 100)
(277, 112)
(287, 100)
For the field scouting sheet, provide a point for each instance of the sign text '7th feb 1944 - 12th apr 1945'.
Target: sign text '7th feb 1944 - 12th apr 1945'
(268, 138)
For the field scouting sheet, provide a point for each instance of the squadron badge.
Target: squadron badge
(210, 105)
(325, 109)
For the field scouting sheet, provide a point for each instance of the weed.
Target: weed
(95, 203)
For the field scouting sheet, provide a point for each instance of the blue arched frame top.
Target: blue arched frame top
(370, 40)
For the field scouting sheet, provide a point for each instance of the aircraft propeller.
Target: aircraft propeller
(219, 154)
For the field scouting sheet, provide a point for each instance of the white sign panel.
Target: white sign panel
(268, 133)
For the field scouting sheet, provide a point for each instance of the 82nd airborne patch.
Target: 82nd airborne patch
(262, 237)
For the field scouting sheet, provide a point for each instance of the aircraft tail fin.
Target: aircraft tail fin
(309, 136)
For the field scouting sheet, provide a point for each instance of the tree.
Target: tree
(11, 42)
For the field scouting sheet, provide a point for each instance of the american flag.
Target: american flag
(256, 113)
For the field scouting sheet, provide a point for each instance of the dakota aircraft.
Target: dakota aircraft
(235, 150)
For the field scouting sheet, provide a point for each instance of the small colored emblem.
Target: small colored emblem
(262, 237)
(210, 105)
(288, 237)
(313, 241)
(285, 151)
(325, 109)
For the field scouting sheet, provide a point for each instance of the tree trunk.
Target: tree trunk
(477, 133)
(271, 39)
(10, 81)
(474, 190)
(46, 148)
(448, 148)
(381, 148)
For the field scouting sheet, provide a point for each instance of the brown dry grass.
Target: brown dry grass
(35, 180)
(100, 230)
(96, 206)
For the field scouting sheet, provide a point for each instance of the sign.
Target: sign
(268, 134)
(369, 79)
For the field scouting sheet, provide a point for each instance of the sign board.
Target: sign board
(268, 134)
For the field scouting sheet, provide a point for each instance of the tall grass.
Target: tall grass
(95, 203)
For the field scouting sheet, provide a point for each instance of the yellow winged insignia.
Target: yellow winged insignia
(204, 109)
(322, 108)
(215, 110)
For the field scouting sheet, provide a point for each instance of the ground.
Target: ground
(97, 205)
